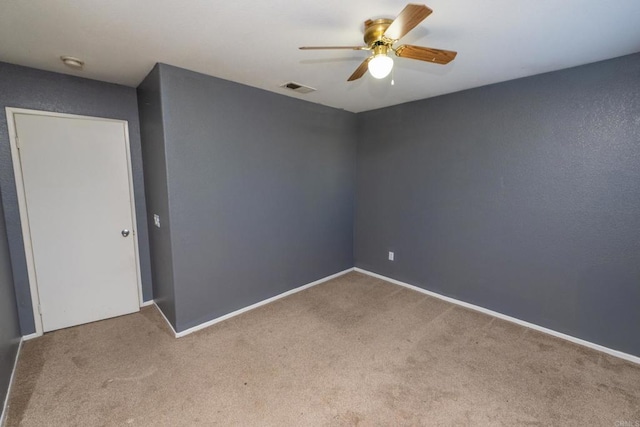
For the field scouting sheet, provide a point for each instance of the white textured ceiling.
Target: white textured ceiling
(255, 42)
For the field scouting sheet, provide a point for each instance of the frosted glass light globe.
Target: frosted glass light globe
(380, 66)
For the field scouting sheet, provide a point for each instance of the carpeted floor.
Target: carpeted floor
(352, 351)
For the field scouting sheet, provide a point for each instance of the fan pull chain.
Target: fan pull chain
(393, 82)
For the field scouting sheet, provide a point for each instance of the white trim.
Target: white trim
(147, 303)
(166, 320)
(253, 306)
(24, 220)
(30, 337)
(22, 204)
(598, 347)
(3, 415)
(132, 203)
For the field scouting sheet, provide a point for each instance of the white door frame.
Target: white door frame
(22, 204)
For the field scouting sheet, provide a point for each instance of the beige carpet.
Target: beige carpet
(353, 351)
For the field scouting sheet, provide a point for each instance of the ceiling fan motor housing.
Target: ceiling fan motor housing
(374, 31)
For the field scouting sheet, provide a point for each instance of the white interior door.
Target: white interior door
(75, 173)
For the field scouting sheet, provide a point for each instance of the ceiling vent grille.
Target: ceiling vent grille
(297, 87)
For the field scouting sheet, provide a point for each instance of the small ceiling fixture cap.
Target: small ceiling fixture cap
(72, 62)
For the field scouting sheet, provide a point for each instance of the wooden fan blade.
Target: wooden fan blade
(438, 56)
(361, 70)
(410, 16)
(333, 47)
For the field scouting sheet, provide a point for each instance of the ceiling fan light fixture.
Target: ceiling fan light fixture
(380, 65)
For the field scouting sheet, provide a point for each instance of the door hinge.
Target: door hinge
(40, 309)
(17, 142)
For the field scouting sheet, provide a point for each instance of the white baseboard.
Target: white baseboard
(251, 307)
(165, 319)
(31, 336)
(147, 303)
(598, 347)
(3, 415)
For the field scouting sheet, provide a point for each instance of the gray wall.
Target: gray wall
(41, 90)
(261, 191)
(522, 197)
(157, 196)
(9, 326)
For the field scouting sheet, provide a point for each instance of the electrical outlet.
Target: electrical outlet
(392, 256)
(156, 220)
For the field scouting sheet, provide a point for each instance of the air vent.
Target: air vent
(297, 87)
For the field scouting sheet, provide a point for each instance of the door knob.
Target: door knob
(125, 232)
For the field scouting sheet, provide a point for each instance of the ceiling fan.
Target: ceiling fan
(381, 34)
